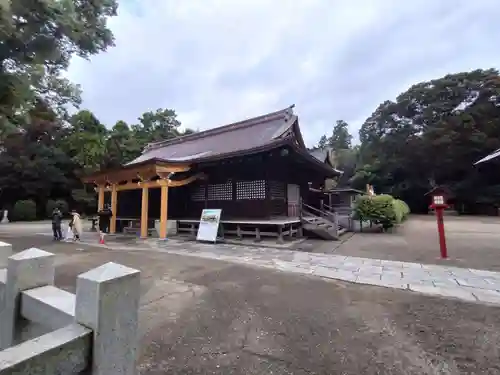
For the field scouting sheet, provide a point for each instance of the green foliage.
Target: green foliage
(346, 156)
(49, 207)
(431, 135)
(347, 161)
(402, 210)
(85, 199)
(63, 206)
(341, 138)
(43, 151)
(24, 210)
(60, 203)
(381, 209)
(323, 142)
(38, 40)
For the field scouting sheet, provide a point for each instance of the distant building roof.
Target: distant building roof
(493, 155)
(325, 155)
(440, 189)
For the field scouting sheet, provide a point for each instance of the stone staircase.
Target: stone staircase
(322, 223)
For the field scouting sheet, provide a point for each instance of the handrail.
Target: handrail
(329, 208)
(328, 215)
(312, 208)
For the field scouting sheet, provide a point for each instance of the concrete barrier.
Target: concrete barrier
(93, 331)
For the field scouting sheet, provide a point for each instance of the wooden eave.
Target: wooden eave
(157, 183)
(141, 171)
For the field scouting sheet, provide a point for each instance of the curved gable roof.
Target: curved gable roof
(240, 137)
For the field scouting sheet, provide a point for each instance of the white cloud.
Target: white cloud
(217, 61)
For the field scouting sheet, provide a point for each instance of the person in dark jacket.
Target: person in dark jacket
(56, 224)
(105, 219)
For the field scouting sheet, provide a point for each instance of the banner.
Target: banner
(209, 225)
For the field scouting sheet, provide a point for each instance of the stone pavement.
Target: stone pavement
(445, 281)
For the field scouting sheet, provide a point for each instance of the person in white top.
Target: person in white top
(76, 225)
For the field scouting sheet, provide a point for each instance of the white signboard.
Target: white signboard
(209, 225)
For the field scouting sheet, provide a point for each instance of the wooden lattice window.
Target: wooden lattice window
(198, 193)
(277, 190)
(220, 192)
(251, 189)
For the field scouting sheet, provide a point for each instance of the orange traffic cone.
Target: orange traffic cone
(101, 238)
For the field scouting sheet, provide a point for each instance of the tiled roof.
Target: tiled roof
(325, 155)
(239, 137)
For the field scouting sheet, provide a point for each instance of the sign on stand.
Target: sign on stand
(209, 225)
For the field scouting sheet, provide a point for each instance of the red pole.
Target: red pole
(442, 238)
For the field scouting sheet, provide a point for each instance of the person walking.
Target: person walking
(56, 224)
(76, 225)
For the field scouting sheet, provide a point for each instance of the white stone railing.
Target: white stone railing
(92, 332)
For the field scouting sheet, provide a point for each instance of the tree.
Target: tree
(38, 39)
(31, 164)
(341, 138)
(85, 141)
(121, 146)
(431, 135)
(157, 126)
(323, 142)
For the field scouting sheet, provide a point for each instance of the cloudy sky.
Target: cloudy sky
(218, 61)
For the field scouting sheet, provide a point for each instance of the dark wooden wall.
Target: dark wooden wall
(273, 172)
(243, 199)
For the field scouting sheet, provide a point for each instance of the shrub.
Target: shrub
(402, 210)
(24, 210)
(381, 209)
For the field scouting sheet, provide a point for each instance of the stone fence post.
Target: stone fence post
(5, 253)
(106, 302)
(29, 269)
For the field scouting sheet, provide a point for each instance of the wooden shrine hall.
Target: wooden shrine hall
(256, 171)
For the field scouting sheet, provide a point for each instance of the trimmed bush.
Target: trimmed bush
(381, 209)
(402, 210)
(24, 210)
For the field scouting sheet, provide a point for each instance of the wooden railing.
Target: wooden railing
(311, 209)
(330, 216)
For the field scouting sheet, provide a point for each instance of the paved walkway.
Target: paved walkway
(462, 283)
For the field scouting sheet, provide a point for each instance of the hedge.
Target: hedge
(381, 209)
(24, 210)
